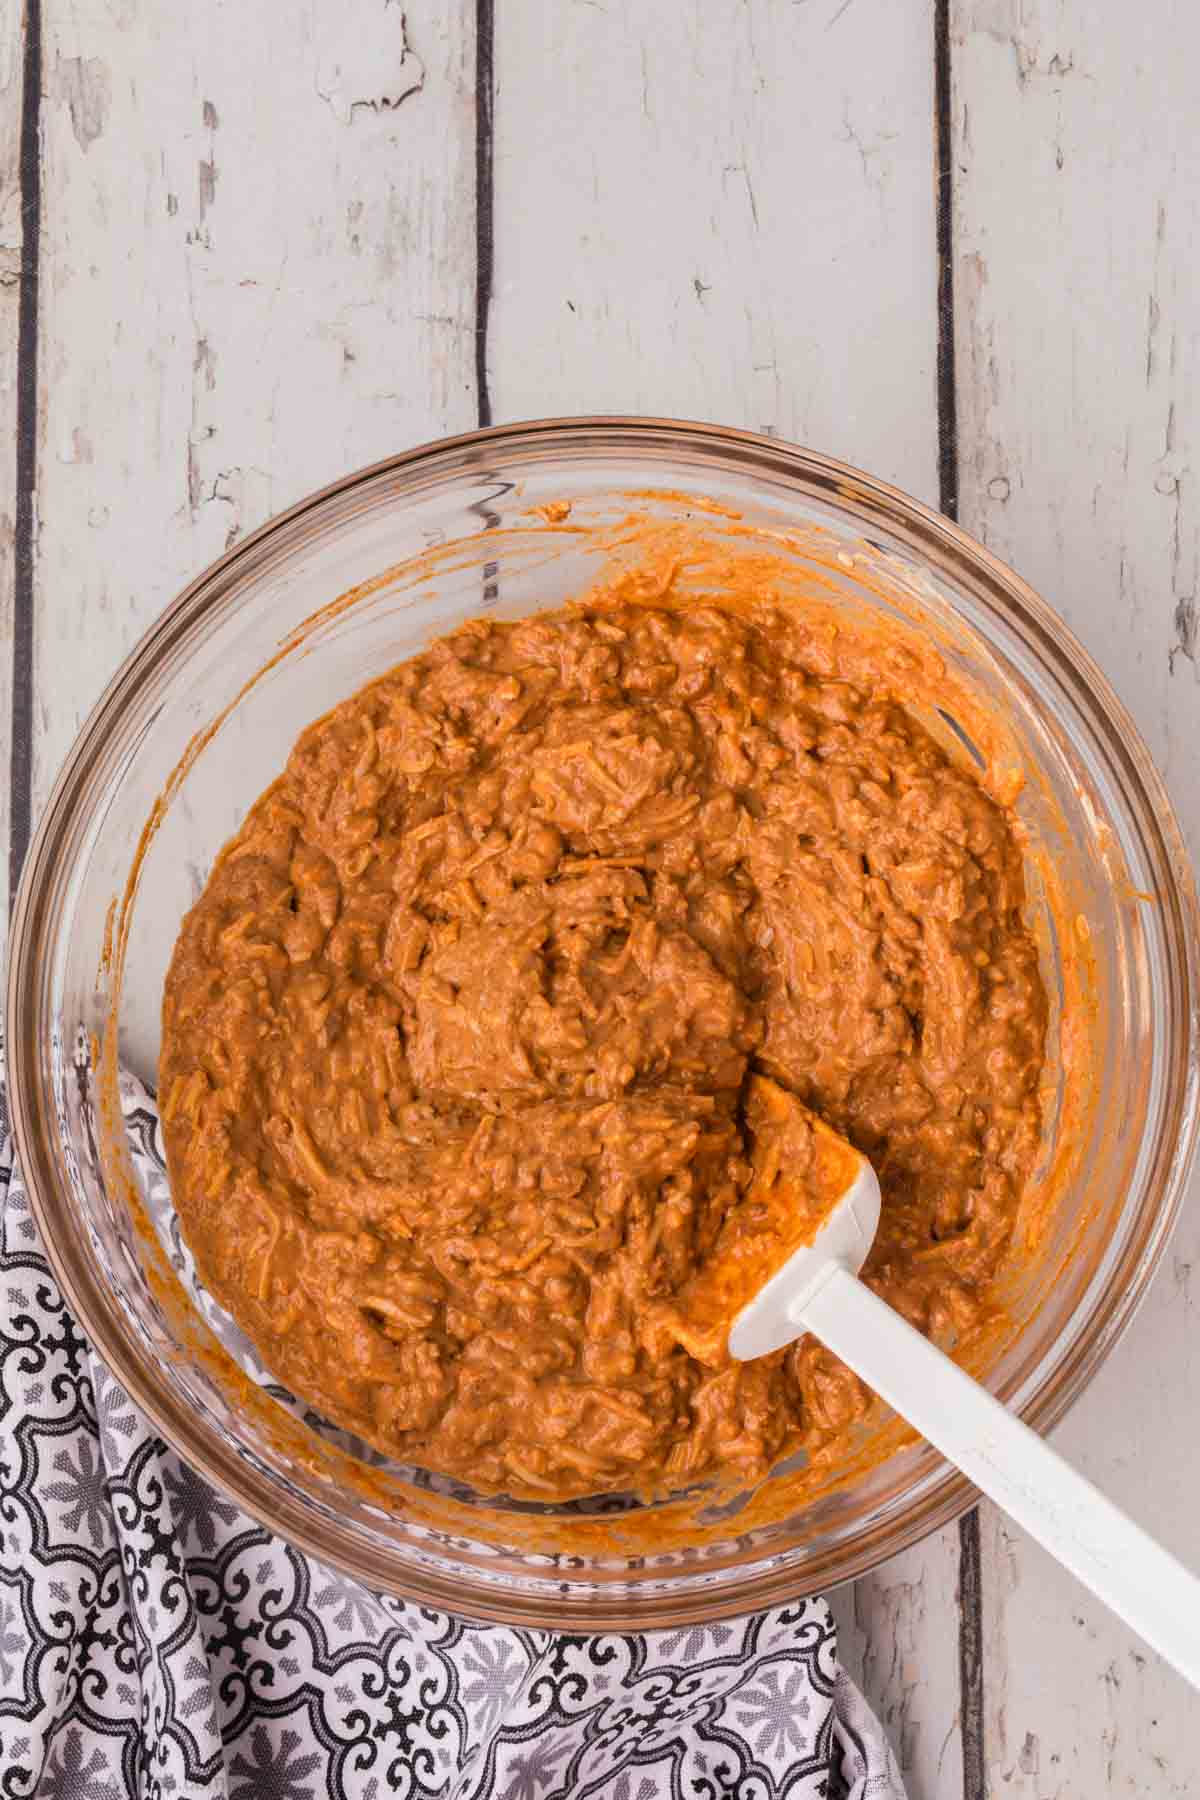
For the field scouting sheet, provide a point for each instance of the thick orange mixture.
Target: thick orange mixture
(457, 1039)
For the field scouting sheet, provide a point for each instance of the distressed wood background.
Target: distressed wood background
(955, 243)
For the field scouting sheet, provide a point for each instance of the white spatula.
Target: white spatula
(817, 1289)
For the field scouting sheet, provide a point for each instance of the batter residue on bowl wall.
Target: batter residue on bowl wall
(456, 1038)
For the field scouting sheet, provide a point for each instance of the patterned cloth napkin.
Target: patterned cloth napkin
(155, 1642)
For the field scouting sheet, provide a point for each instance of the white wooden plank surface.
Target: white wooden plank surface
(296, 298)
(11, 242)
(715, 214)
(1077, 260)
(721, 213)
(730, 216)
(898, 1636)
(258, 274)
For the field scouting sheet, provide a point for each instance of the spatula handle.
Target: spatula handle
(1142, 1583)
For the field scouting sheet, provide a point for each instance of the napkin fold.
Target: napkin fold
(155, 1642)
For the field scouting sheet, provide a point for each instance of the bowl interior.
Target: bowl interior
(202, 718)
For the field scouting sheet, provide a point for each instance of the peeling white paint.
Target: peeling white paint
(364, 59)
(898, 1636)
(1079, 420)
(83, 82)
(721, 213)
(214, 327)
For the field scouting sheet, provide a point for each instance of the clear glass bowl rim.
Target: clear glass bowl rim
(942, 543)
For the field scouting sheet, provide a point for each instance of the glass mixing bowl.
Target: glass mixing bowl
(298, 616)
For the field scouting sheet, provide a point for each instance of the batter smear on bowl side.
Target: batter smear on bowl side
(459, 1036)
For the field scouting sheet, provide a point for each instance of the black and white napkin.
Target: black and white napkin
(156, 1643)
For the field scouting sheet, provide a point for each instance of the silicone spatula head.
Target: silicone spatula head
(832, 1193)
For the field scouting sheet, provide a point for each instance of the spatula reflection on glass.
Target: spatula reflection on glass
(834, 1205)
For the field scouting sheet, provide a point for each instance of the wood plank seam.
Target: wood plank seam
(25, 523)
(485, 243)
(970, 1656)
(485, 79)
(970, 1600)
(947, 403)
